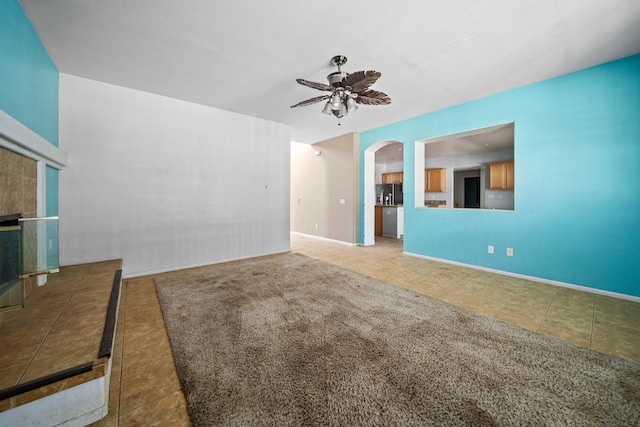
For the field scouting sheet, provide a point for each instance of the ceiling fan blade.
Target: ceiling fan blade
(311, 101)
(315, 85)
(373, 97)
(361, 80)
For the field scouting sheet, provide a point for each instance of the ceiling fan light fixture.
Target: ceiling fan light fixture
(346, 90)
(351, 104)
(335, 101)
(335, 78)
(342, 111)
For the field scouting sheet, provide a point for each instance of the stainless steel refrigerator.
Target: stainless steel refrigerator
(389, 194)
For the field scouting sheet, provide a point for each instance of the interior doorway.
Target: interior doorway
(372, 177)
(467, 188)
(472, 192)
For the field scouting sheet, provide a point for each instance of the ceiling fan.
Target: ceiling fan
(347, 90)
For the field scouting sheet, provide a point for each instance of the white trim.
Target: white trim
(532, 278)
(196, 265)
(41, 189)
(369, 202)
(76, 406)
(340, 242)
(17, 137)
(369, 196)
(419, 169)
(37, 218)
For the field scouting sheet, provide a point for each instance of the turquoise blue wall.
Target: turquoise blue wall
(52, 175)
(577, 175)
(28, 77)
(29, 83)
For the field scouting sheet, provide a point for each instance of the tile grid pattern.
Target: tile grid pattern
(60, 327)
(18, 194)
(606, 324)
(145, 389)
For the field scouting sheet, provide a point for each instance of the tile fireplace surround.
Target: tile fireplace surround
(18, 194)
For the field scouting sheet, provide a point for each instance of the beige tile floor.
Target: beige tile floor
(603, 323)
(60, 327)
(145, 389)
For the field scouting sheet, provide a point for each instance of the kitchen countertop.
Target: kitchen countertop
(435, 203)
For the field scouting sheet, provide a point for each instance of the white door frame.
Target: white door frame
(370, 189)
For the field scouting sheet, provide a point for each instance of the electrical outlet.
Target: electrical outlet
(316, 225)
(509, 251)
(490, 249)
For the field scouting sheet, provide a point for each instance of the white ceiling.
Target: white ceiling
(244, 55)
(392, 153)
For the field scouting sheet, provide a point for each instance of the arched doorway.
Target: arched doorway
(370, 189)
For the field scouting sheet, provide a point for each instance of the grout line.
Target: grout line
(508, 300)
(53, 324)
(178, 389)
(124, 331)
(544, 316)
(155, 415)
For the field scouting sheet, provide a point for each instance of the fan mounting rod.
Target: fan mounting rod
(339, 60)
(336, 77)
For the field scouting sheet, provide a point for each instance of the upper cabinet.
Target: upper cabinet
(435, 180)
(501, 176)
(392, 178)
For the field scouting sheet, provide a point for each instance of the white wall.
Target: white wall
(167, 184)
(389, 167)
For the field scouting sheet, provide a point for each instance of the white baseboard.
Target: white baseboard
(202, 264)
(76, 406)
(341, 242)
(533, 278)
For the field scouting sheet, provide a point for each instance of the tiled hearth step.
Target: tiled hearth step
(57, 350)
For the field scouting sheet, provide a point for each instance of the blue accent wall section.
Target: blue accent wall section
(53, 250)
(577, 171)
(29, 84)
(28, 76)
(52, 177)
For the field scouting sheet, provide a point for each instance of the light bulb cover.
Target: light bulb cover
(335, 101)
(342, 111)
(351, 104)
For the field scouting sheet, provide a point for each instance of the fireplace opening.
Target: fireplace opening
(11, 292)
(28, 251)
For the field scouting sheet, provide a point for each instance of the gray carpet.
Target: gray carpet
(289, 340)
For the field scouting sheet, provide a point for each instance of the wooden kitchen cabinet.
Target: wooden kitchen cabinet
(510, 178)
(378, 221)
(501, 176)
(392, 178)
(435, 180)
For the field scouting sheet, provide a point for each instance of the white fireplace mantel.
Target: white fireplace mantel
(17, 137)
